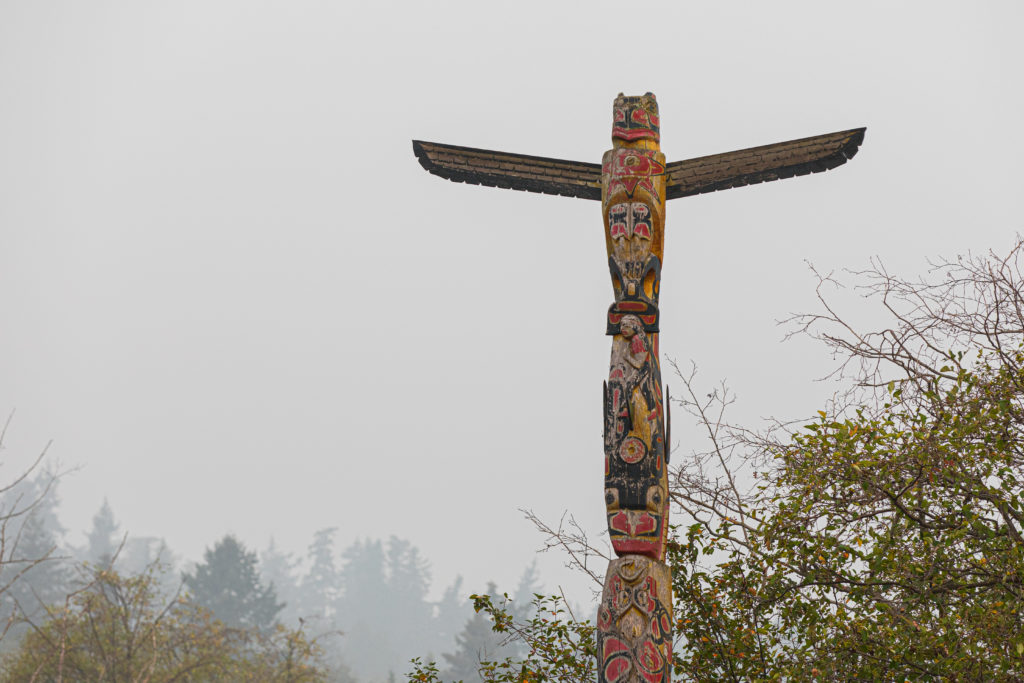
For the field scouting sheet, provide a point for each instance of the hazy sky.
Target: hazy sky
(231, 296)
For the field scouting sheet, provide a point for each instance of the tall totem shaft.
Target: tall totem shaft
(635, 615)
(633, 182)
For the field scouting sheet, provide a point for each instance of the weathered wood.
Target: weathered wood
(635, 618)
(762, 164)
(634, 622)
(683, 178)
(633, 183)
(633, 199)
(510, 171)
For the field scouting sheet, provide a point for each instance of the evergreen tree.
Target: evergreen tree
(103, 538)
(141, 552)
(529, 586)
(41, 583)
(451, 613)
(408, 572)
(305, 601)
(33, 568)
(364, 611)
(277, 570)
(321, 585)
(363, 579)
(228, 584)
(475, 644)
(406, 610)
(557, 647)
(150, 555)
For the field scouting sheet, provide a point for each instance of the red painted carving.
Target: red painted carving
(633, 181)
(636, 485)
(634, 622)
(636, 118)
(627, 169)
(634, 619)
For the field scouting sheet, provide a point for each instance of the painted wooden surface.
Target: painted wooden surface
(634, 622)
(633, 202)
(684, 178)
(762, 164)
(633, 183)
(635, 616)
(510, 171)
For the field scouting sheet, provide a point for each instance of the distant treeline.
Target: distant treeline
(365, 606)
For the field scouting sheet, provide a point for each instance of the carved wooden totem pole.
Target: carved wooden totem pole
(633, 182)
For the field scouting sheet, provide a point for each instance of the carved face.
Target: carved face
(634, 622)
(633, 203)
(636, 531)
(632, 189)
(635, 270)
(636, 118)
(632, 219)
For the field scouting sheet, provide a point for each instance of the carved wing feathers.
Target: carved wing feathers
(512, 171)
(684, 178)
(761, 164)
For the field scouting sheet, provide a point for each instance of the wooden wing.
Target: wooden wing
(512, 171)
(761, 164)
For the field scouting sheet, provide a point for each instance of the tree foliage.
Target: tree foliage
(879, 540)
(555, 645)
(103, 537)
(278, 571)
(32, 570)
(477, 642)
(883, 539)
(228, 584)
(116, 628)
(320, 584)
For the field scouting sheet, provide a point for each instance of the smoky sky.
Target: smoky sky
(236, 303)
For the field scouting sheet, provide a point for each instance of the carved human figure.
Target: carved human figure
(636, 484)
(635, 473)
(631, 385)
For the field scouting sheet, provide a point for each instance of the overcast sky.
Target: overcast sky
(233, 299)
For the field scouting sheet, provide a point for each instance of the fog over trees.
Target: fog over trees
(353, 614)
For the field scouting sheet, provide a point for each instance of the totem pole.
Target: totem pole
(634, 619)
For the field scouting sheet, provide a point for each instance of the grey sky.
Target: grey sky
(231, 295)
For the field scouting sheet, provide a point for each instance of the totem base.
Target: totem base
(634, 622)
